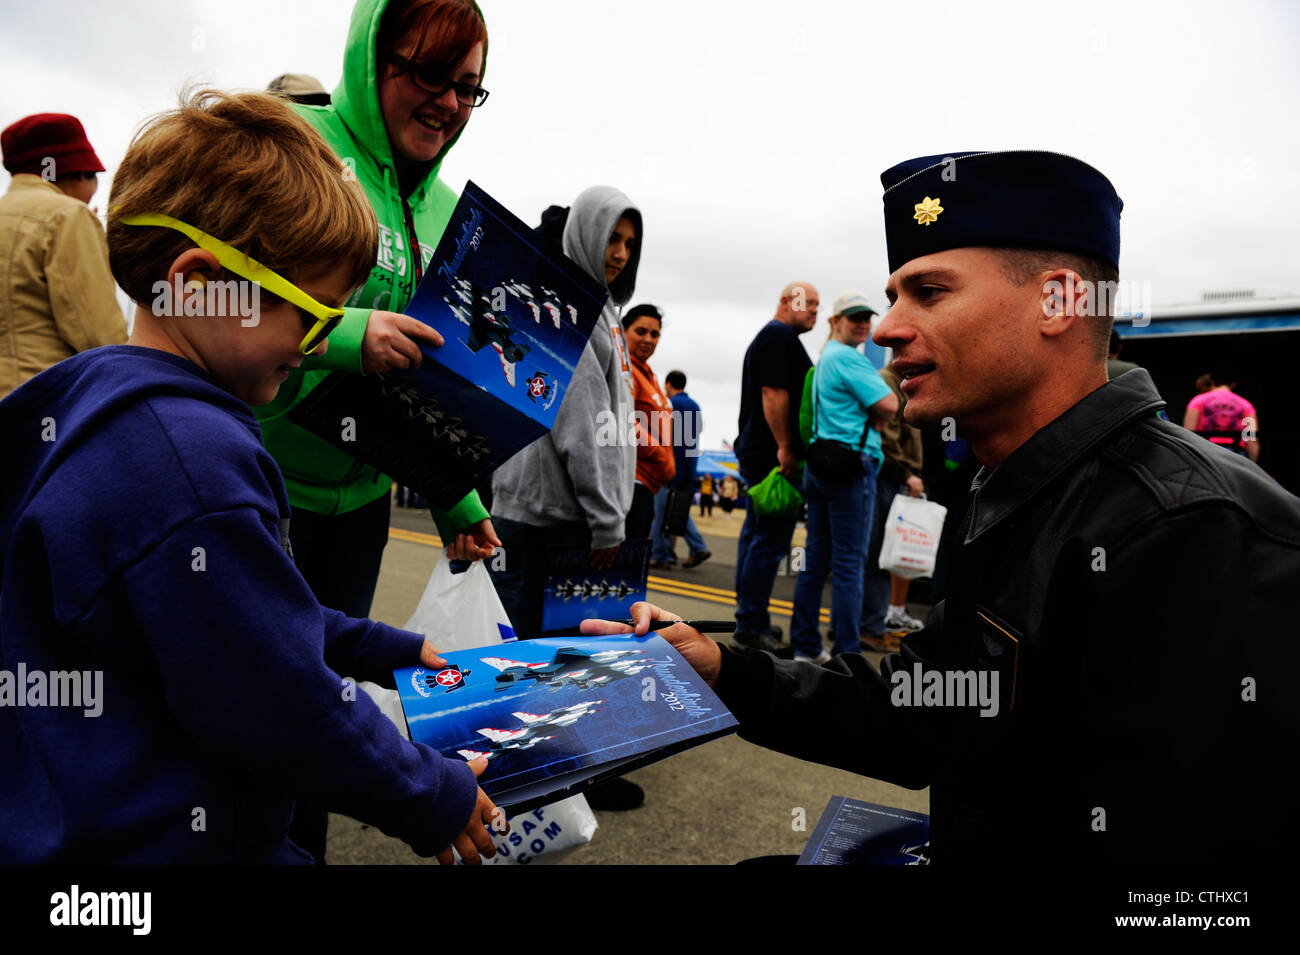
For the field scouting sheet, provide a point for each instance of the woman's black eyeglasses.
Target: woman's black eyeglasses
(432, 81)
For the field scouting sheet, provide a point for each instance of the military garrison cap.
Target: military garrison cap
(1017, 199)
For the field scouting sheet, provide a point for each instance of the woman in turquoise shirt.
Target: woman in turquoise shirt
(850, 402)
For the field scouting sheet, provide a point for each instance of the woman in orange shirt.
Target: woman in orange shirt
(655, 466)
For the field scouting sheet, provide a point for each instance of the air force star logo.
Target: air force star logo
(538, 387)
(449, 677)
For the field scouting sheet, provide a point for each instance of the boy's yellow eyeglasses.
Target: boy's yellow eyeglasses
(327, 319)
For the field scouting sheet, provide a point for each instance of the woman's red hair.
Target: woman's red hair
(444, 31)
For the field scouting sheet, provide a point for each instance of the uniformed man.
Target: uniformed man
(1109, 676)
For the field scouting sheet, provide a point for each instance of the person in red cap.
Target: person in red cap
(60, 298)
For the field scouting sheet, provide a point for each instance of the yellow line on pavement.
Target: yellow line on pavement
(683, 593)
(431, 540)
(687, 585)
(663, 585)
(824, 614)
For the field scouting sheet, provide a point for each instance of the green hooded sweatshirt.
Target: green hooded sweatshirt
(319, 476)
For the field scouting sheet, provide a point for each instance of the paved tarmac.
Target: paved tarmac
(717, 803)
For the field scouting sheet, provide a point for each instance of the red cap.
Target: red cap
(30, 141)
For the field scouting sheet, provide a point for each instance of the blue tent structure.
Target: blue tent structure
(718, 464)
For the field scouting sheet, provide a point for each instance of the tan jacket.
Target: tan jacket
(57, 296)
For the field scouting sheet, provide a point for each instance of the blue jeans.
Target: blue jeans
(521, 582)
(876, 582)
(839, 527)
(764, 542)
(663, 542)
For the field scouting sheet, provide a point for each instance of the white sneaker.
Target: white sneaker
(823, 657)
(902, 621)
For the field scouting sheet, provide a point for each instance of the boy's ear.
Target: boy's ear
(191, 270)
(194, 265)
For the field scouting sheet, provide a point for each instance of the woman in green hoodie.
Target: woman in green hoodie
(411, 75)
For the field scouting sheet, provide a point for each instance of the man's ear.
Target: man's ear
(1065, 298)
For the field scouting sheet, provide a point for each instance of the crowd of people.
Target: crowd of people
(164, 472)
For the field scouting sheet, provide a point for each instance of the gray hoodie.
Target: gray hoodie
(576, 474)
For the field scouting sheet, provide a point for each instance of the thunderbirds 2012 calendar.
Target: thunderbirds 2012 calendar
(515, 315)
(554, 715)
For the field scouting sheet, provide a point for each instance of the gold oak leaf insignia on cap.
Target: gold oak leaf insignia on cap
(927, 211)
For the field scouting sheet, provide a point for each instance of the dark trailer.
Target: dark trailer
(1258, 337)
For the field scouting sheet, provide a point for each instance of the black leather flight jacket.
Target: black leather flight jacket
(1135, 589)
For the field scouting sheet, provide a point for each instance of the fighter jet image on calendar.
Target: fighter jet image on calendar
(550, 303)
(528, 735)
(473, 307)
(587, 589)
(503, 741)
(564, 716)
(571, 667)
(920, 854)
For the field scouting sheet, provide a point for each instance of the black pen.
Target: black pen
(703, 626)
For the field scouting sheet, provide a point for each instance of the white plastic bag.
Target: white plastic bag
(546, 834)
(457, 612)
(461, 612)
(911, 540)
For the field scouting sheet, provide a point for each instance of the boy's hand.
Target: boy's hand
(391, 344)
(603, 558)
(429, 655)
(487, 821)
(698, 650)
(478, 543)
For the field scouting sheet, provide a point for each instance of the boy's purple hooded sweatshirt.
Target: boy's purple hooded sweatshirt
(142, 525)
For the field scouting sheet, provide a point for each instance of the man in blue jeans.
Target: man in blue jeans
(687, 425)
(771, 386)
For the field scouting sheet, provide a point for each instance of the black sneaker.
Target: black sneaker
(617, 795)
(759, 641)
(697, 558)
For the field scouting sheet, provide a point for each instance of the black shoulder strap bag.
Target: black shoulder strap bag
(834, 461)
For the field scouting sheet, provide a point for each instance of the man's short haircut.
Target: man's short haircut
(677, 379)
(247, 170)
(1022, 265)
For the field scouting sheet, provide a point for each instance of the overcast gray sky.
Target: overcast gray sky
(752, 134)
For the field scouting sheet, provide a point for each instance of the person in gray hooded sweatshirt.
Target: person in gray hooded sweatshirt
(573, 487)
